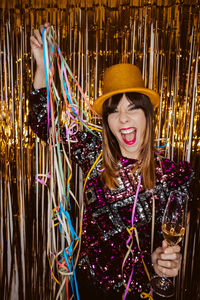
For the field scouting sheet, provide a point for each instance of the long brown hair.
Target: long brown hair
(111, 150)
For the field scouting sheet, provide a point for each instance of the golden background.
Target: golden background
(162, 38)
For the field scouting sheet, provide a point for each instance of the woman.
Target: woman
(129, 164)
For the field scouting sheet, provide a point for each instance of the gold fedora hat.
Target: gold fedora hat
(123, 78)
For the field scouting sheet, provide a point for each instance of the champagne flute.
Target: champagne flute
(173, 228)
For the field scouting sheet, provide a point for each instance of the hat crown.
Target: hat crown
(122, 76)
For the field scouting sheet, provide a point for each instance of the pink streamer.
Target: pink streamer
(132, 223)
(129, 281)
(133, 210)
(40, 181)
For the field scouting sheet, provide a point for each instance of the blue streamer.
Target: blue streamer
(68, 202)
(73, 233)
(67, 255)
(46, 76)
(69, 98)
(70, 270)
(92, 131)
(163, 145)
(73, 280)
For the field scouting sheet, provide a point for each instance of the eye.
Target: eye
(132, 108)
(114, 111)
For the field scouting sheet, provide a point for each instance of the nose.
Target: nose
(123, 117)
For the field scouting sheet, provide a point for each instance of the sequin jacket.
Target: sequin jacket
(107, 213)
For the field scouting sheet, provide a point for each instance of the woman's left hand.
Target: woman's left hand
(166, 260)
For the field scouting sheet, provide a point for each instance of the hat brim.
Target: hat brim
(153, 96)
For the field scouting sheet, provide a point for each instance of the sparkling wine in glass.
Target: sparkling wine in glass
(173, 228)
(173, 234)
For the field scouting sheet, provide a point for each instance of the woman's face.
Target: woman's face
(128, 125)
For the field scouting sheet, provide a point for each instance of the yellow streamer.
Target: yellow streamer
(94, 164)
(146, 296)
(143, 294)
(52, 271)
(86, 179)
(94, 128)
(130, 230)
(91, 127)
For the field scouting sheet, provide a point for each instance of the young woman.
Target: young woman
(129, 164)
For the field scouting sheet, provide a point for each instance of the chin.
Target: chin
(131, 150)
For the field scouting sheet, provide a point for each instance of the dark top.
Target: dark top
(107, 213)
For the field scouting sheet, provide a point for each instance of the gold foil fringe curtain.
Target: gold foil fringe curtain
(163, 40)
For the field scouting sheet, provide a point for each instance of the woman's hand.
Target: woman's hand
(37, 52)
(36, 45)
(166, 260)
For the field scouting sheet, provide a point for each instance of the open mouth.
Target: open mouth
(129, 135)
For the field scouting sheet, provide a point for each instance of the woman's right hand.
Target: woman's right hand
(166, 260)
(37, 52)
(36, 45)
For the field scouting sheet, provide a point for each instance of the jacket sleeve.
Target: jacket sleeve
(38, 112)
(84, 145)
(178, 176)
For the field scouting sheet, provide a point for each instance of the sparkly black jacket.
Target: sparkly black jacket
(107, 213)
